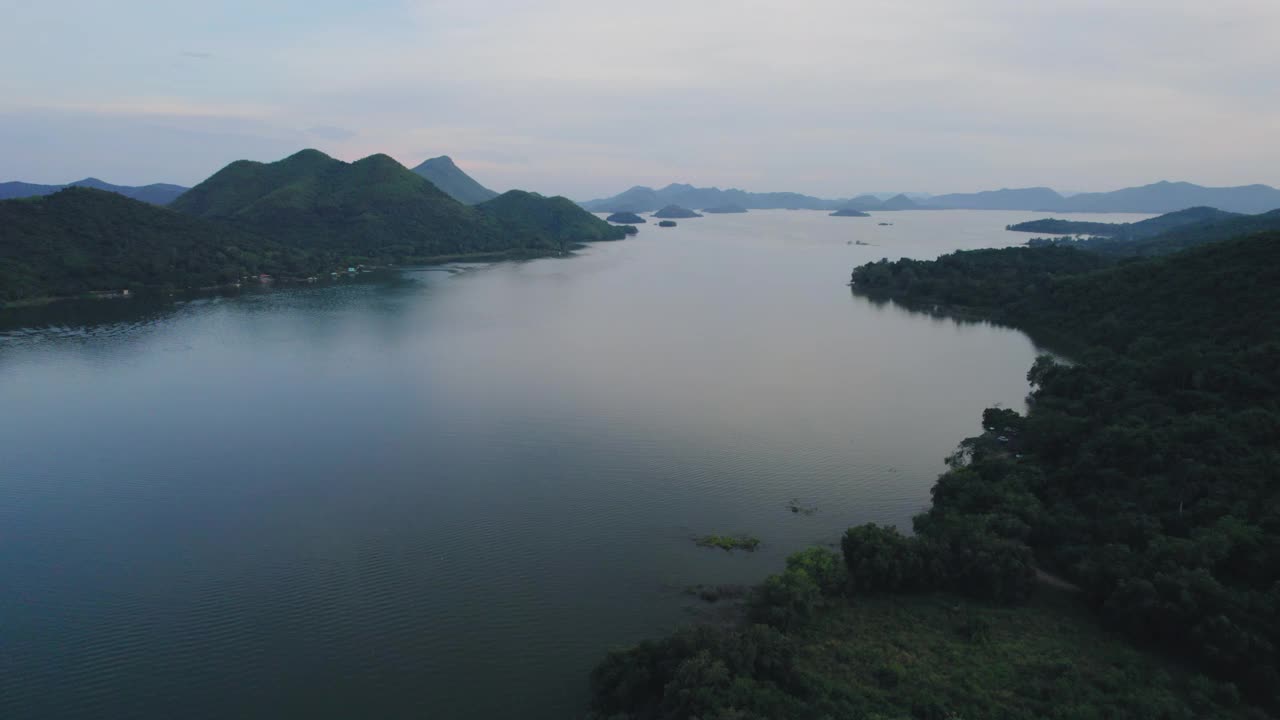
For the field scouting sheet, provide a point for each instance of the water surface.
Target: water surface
(445, 494)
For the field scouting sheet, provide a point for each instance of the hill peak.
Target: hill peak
(446, 175)
(307, 155)
(444, 161)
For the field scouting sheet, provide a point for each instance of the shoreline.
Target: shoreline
(146, 292)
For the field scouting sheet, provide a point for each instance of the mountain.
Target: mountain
(447, 176)
(305, 215)
(675, 211)
(1169, 233)
(1124, 231)
(1163, 197)
(899, 202)
(864, 202)
(80, 240)
(724, 209)
(375, 208)
(1036, 198)
(645, 199)
(626, 218)
(156, 193)
(547, 222)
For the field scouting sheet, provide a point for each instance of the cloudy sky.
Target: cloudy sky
(588, 97)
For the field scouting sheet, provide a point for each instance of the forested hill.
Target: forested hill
(1161, 235)
(1124, 231)
(373, 208)
(1154, 456)
(80, 240)
(554, 221)
(444, 174)
(302, 216)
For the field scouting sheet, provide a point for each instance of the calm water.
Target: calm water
(446, 494)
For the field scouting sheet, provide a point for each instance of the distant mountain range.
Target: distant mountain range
(444, 174)
(644, 199)
(156, 194)
(1161, 197)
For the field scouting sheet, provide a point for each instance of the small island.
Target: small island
(626, 218)
(675, 211)
(849, 212)
(724, 209)
(667, 223)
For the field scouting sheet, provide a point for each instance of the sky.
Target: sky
(586, 98)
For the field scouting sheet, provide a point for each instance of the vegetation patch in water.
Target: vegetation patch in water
(729, 542)
(795, 506)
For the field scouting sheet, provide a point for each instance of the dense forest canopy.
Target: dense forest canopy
(1156, 454)
(80, 240)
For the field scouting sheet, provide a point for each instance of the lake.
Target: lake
(445, 493)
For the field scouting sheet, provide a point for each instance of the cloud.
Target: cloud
(330, 132)
(196, 55)
(823, 96)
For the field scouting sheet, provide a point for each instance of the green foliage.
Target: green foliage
(1148, 474)
(970, 554)
(81, 240)
(729, 542)
(880, 559)
(547, 222)
(907, 656)
(701, 672)
(824, 567)
(786, 601)
(976, 279)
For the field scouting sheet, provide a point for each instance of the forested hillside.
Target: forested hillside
(1145, 472)
(1156, 452)
(375, 209)
(80, 240)
(304, 215)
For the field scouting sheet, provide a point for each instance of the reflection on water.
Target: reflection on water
(446, 494)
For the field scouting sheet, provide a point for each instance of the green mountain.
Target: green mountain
(80, 240)
(1123, 231)
(1160, 235)
(444, 174)
(301, 216)
(550, 222)
(375, 209)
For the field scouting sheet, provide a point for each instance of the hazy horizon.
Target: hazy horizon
(588, 99)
